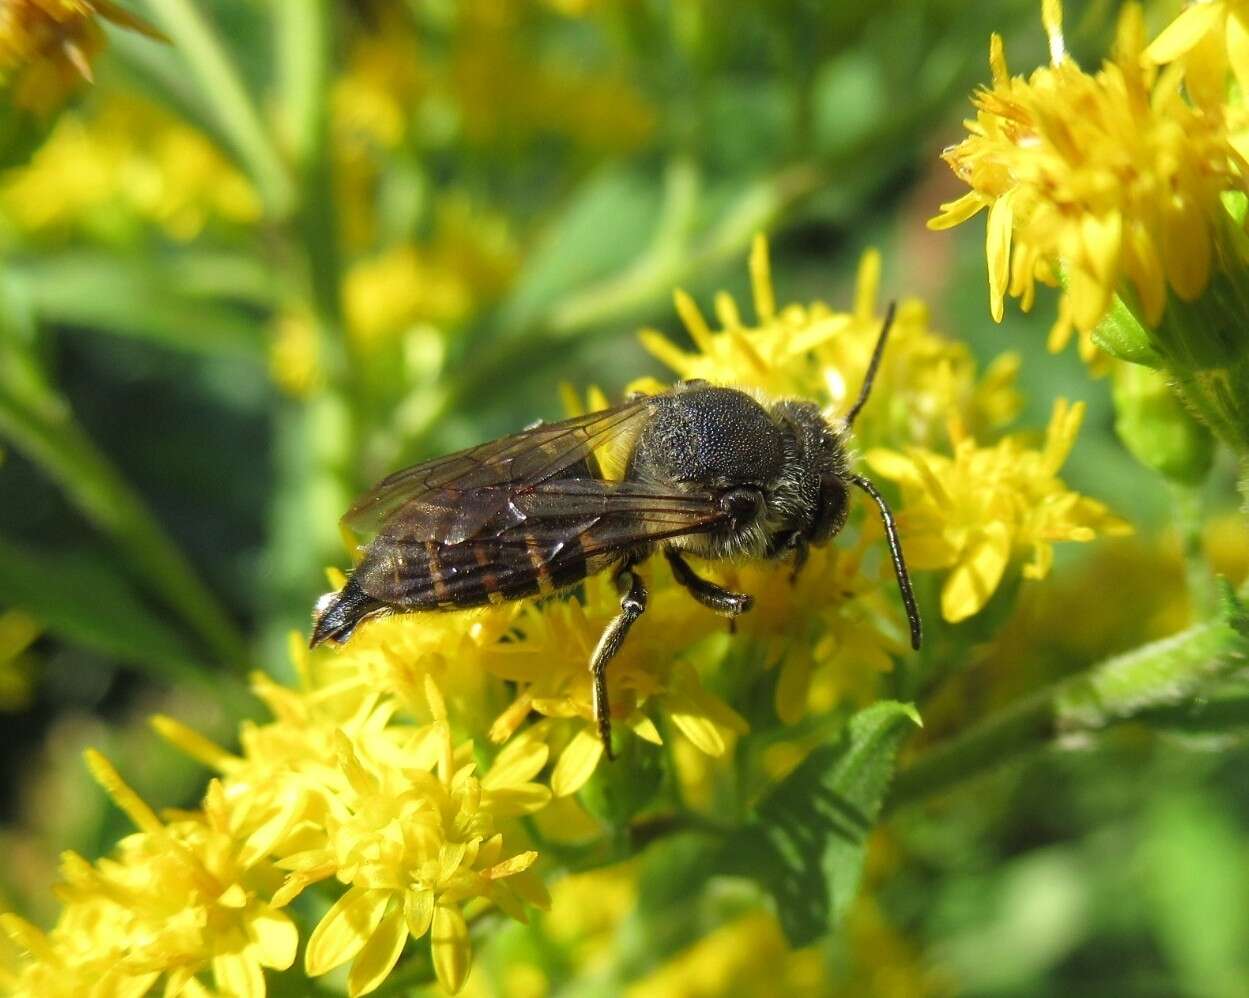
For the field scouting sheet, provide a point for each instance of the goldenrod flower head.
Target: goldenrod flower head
(814, 352)
(547, 661)
(175, 902)
(832, 630)
(1207, 38)
(414, 837)
(127, 159)
(1112, 178)
(977, 510)
(46, 46)
(468, 261)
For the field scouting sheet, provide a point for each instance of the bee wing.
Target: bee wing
(456, 495)
(558, 532)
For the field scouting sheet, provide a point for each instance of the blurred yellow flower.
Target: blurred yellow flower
(175, 902)
(1111, 179)
(1207, 39)
(977, 510)
(467, 262)
(128, 159)
(46, 46)
(748, 956)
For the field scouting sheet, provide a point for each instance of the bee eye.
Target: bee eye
(831, 510)
(743, 504)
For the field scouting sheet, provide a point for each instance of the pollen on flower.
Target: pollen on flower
(977, 510)
(1108, 181)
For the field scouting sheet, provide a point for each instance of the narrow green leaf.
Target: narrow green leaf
(80, 598)
(167, 301)
(808, 841)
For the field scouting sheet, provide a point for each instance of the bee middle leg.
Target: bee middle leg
(632, 606)
(707, 593)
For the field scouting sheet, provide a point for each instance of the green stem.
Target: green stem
(236, 115)
(1157, 675)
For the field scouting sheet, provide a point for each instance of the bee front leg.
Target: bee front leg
(632, 606)
(707, 593)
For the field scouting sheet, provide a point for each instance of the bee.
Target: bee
(712, 473)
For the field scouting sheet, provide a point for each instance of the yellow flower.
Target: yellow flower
(128, 159)
(1206, 38)
(548, 662)
(975, 511)
(407, 826)
(748, 956)
(46, 46)
(1112, 179)
(175, 902)
(814, 352)
(468, 261)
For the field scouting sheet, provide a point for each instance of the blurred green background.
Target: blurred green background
(203, 357)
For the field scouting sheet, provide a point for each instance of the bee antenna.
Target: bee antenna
(895, 547)
(873, 365)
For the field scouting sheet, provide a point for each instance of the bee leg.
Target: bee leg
(707, 593)
(632, 606)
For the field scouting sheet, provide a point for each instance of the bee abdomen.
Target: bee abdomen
(430, 575)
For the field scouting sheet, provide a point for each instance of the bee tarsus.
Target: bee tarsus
(707, 593)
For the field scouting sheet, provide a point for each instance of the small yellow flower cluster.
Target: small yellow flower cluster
(1109, 181)
(46, 46)
(975, 511)
(127, 159)
(338, 789)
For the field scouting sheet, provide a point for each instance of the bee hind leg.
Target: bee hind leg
(710, 595)
(632, 606)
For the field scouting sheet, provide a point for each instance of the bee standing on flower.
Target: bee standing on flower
(711, 472)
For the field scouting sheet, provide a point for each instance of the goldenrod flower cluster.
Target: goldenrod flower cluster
(46, 46)
(1112, 181)
(388, 786)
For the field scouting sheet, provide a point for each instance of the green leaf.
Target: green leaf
(82, 599)
(168, 301)
(808, 841)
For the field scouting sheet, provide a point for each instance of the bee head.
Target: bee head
(813, 491)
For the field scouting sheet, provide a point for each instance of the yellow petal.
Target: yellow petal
(344, 930)
(997, 252)
(274, 937)
(975, 578)
(520, 762)
(867, 283)
(418, 912)
(645, 729)
(955, 212)
(1052, 18)
(518, 863)
(665, 351)
(450, 947)
(1184, 32)
(792, 687)
(997, 60)
(761, 280)
(693, 320)
(380, 954)
(1186, 247)
(238, 975)
(576, 763)
(891, 464)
